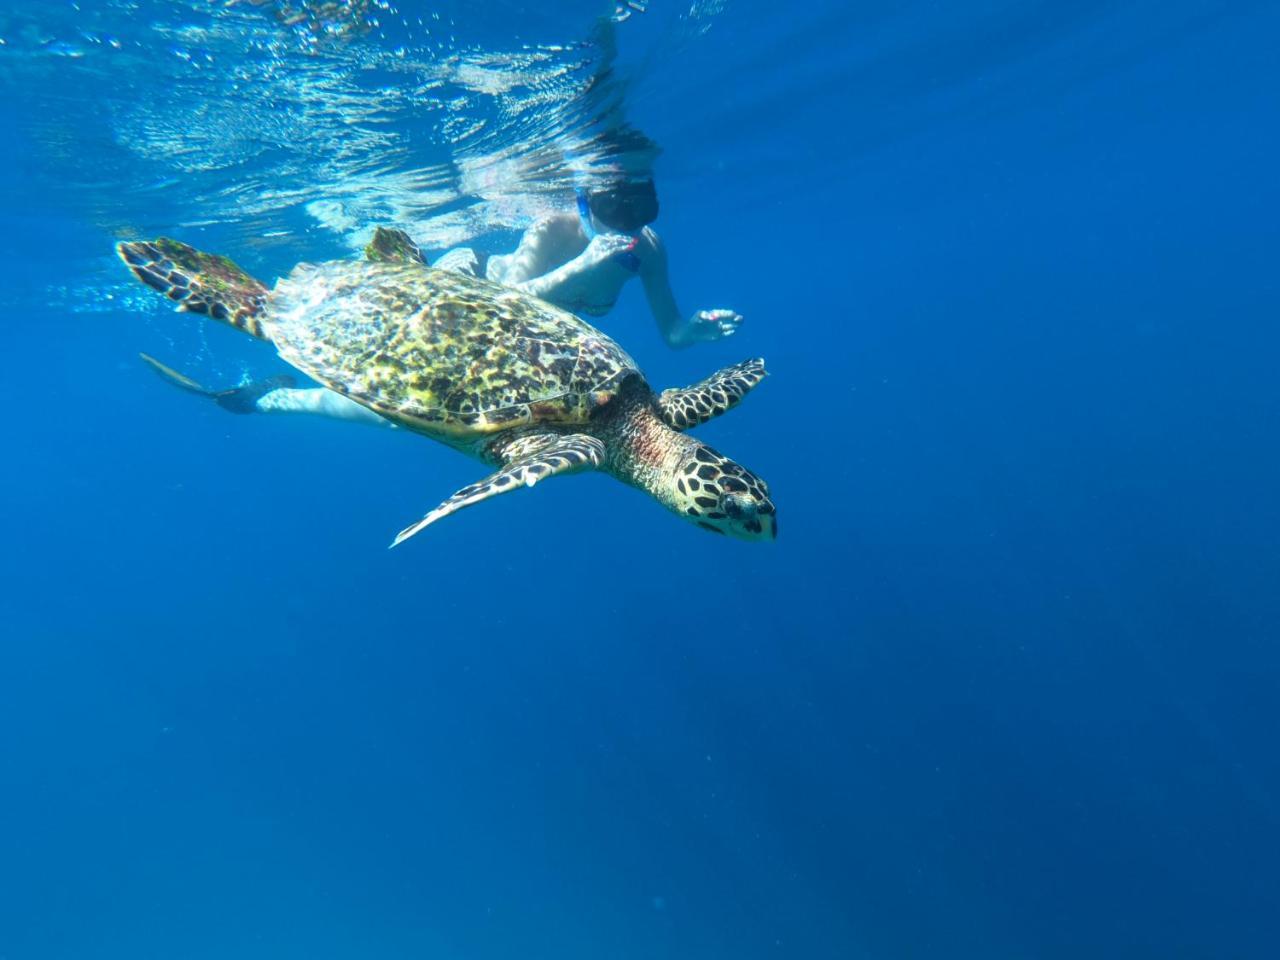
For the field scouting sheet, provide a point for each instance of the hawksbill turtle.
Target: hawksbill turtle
(496, 373)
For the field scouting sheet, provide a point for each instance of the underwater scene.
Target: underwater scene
(828, 455)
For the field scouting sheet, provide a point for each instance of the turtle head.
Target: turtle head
(722, 496)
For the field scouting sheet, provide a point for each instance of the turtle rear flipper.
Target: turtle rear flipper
(199, 282)
(390, 245)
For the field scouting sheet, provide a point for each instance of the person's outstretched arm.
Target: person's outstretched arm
(556, 286)
(702, 326)
(535, 255)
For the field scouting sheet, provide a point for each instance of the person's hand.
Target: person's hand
(713, 325)
(603, 246)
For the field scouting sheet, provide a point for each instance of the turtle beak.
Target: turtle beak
(748, 517)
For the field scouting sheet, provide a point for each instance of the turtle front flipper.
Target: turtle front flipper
(530, 461)
(199, 282)
(393, 246)
(686, 407)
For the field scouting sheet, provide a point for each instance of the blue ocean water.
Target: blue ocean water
(1004, 687)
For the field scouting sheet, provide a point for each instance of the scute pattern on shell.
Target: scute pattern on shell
(442, 353)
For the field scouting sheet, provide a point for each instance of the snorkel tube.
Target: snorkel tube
(584, 213)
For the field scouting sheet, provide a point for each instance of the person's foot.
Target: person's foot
(245, 399)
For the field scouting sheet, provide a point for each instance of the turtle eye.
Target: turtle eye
(738, 506)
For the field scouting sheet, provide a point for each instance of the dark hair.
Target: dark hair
(626, 206)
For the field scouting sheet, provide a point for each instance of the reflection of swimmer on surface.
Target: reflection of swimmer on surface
(581, 260)
(325, 18)
(623, 9)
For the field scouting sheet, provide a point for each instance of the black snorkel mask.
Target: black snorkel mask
(627, 206)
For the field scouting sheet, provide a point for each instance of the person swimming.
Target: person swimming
(580, 260)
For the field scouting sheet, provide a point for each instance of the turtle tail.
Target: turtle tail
(200, 282)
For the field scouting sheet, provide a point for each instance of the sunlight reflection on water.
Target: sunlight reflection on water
(272, 118)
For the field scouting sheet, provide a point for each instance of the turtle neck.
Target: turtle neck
(643, 451)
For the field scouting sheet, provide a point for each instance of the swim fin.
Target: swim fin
(235, 400)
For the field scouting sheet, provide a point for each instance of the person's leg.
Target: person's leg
(273, 395)
(318, 401)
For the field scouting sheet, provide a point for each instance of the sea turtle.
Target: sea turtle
(491, 371)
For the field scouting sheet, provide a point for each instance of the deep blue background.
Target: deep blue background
(1004, 687)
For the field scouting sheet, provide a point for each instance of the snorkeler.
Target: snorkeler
(577, 262)
(580, 261)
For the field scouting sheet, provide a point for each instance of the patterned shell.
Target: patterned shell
(440, 352)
